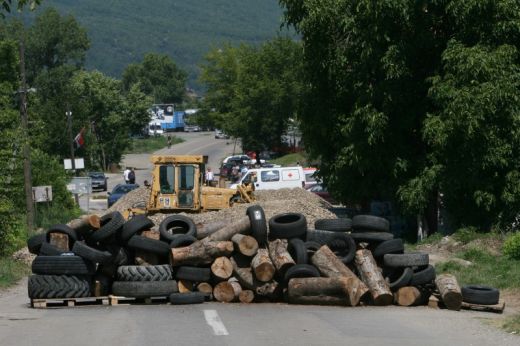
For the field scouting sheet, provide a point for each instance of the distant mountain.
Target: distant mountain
(121, 32)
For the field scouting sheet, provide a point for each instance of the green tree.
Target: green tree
(157, 76)
(6, 5)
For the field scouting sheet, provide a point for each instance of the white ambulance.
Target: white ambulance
(274, 178)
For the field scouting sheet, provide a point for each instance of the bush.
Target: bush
(512, 246)
(466, 234)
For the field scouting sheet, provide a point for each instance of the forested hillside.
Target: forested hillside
(122, 31)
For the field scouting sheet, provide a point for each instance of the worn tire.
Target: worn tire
(478, 294)
(334, 225)
(312, 247)
(362, 223)
(149, 245)
(298, 251)
(372, 237)
(258, 224)
(58, 286)
(64, 229)
(145, 273)
(300, 271)
(288, 226)
(393, 246)
(177, 224)
(187, 298)
(144, 289)
(35, 242)
(110, 225)
(343, 246)
(195, 274)
(423, 276)
(411, 259)
(62, 265)
(182, 240)
(91, 254)
(135, 225)
(319, 236)
(48, 249)
(402, 280)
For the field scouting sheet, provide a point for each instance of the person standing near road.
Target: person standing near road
(126, 174)
(131, 176)
(169, 140)
(209, 177)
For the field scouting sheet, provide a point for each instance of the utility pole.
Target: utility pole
(68, 113)
(26, 145)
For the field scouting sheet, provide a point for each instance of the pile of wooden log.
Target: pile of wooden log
(340, 262)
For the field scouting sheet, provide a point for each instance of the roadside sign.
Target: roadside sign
(42, 193)
(78, 163)
(80, 185)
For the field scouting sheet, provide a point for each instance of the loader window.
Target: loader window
(187, 177)
(167, 179)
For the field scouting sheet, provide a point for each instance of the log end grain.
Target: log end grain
(224, 292)
(246, 296)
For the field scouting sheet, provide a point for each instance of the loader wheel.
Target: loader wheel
(177, 224)
(58, 286)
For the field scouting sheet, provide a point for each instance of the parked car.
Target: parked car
(310, 179)
(322, 191)
(99, 180)
(220, 135)
(119, 191)
(192, 128)
(240, 159)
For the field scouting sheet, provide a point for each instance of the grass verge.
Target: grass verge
(290, 160)
(11, 271)
(150, 144)
(512, 324)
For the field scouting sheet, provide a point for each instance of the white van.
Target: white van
(274, 178)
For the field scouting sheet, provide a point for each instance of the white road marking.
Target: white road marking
(214, 321)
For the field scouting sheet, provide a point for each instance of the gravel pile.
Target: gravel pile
(272, 201)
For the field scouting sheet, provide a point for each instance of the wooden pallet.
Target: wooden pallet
(497, 308)
(68, 302)
(118, 300)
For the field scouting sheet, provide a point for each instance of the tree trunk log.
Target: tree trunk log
(185, 286)
(450, 291)
(200, 253)
(206, 288)
(331, 266)
(60, 240)
(246, 279)
(85, 224)
(151, 234)
(241, 226)
(222, 268)
(409, 295)
(246, 296)
(205, 230)
(226, 291)
(245, 244)
(319, 291)
(263, 266)
(371, 275)
(281, 258)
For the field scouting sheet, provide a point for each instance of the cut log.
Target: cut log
(449, 289)
(200, 253)
(245, 244)
(433, 302)
(246, 296)
(245, 276)
(85, 224)
(226, 291)
(185, 286)
(263, 266)
(206, 288)
(151, 234)
(222, 268)
(204, 230)
(145, 258)
(281, 258)
(237, 289)
(97, 288)
(319, 291)
(60, 240)
(243, 225)
(498, 308)
(331, 266)
(372, 276)
(408, 296)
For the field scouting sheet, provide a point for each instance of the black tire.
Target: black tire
(362, 223)
(288, 226)
(105, 282)
(319, 236)
(48, 249)
(300, 271)
(334, 225)
(120, 256)
(58, 286)
(177, 224)
(393, 246)
(133, 226)
(35, 242)
(145, 273)
(343, 246)
(402, 280)
(258, 224)
(478, 294)
(110, 225)
(312, 247)
(182, 240)
(62, 265)
(194, 274)
(149, 245)
(423, 276)
(187, 298)
(298, 251)
(371, 237)
(144, 289)
(64, 229)
(411, 259)
(91, 254)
